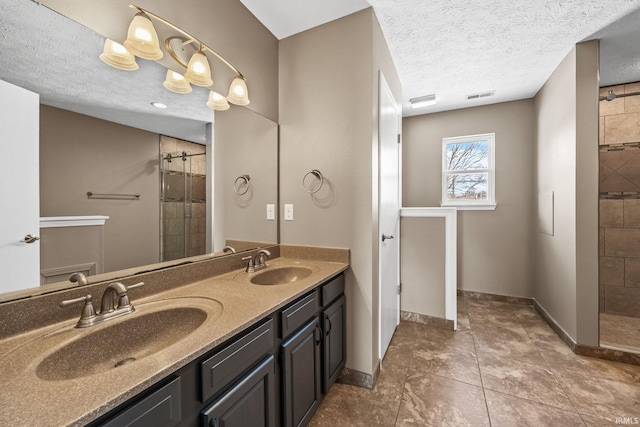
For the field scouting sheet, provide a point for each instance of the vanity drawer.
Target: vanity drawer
(332, 289)
(221, 368)
(298, 313)
(161, 408)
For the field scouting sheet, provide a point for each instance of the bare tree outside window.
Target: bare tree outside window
(467, 168)
(467, 156)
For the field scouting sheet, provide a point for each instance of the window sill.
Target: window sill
(479, 207)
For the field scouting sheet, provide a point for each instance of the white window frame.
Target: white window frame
(490, 202)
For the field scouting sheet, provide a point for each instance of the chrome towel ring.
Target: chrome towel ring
(237, 185)
(317, 174)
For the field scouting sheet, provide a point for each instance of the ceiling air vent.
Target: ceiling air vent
(480, 95)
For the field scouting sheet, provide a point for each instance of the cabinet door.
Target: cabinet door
(161, 408)
(250, 403)
(301, 374)
(334, 343)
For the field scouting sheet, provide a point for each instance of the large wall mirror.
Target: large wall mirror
(174, 183)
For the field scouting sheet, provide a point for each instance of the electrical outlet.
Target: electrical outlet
(271, 212)
(288, 212)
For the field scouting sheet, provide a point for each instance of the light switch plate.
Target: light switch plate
(271, 212)
(288, 212)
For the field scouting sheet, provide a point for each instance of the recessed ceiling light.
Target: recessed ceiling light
(159, 105)
(423, 101)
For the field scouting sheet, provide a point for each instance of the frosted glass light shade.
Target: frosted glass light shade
(217, 102)
(199, 71)
(118, 56)
(175, 82)
(142, 39)
(238, 93)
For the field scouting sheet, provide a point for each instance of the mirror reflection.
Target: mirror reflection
(122, 189)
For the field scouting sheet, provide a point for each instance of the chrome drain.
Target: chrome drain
(125, 361)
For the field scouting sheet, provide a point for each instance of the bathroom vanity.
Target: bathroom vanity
(274, 373)
(236, 349)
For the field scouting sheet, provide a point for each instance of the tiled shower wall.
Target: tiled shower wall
(620, 202)
(173, 221)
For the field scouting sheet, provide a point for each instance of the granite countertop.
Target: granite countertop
(230, 300)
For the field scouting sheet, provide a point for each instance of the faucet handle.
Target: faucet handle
(250, 266)
(88, 312)
(123, 300)
(259, 258)
(135, 285)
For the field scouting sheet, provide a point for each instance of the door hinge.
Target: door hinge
(399, 138)
(399, 288)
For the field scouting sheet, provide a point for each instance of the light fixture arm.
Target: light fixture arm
(189, 39)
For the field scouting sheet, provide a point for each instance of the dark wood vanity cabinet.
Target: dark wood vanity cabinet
(334, 343)
(301, 378)
(250, 402)
(274, 373)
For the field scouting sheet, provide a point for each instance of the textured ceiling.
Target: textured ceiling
(448, 47)
(455, 48)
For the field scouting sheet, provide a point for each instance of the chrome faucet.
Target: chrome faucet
(258, 261)
(108, 308)
(79, 278)
(229, 249)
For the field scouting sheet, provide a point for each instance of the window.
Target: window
(468, 171)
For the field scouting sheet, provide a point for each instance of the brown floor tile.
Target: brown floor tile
(561, 359)
(499, 343)
(387, 392)
(507, 410)
(525, 380)
(429, 400)
(599, 397)
(400, 350)
(455, 359)
(342, 408)
(429, 377)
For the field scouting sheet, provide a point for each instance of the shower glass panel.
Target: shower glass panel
(182, 206)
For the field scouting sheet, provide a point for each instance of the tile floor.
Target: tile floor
(503, 367)
(620, 332)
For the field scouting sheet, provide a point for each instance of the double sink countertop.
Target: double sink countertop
(65, 375)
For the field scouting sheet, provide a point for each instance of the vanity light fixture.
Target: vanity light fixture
(142, 41)
(176, 82)
(217, 102)
(118, 56)
(198, 70)
(423, 101)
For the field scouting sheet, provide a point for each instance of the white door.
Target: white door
(389, 214)
(19, 184)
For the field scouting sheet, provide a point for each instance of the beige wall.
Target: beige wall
(566, 164)
(79, 154)
(494, 247)
(422, 262)
(245, 143)
(587, 82)
(328, 97)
